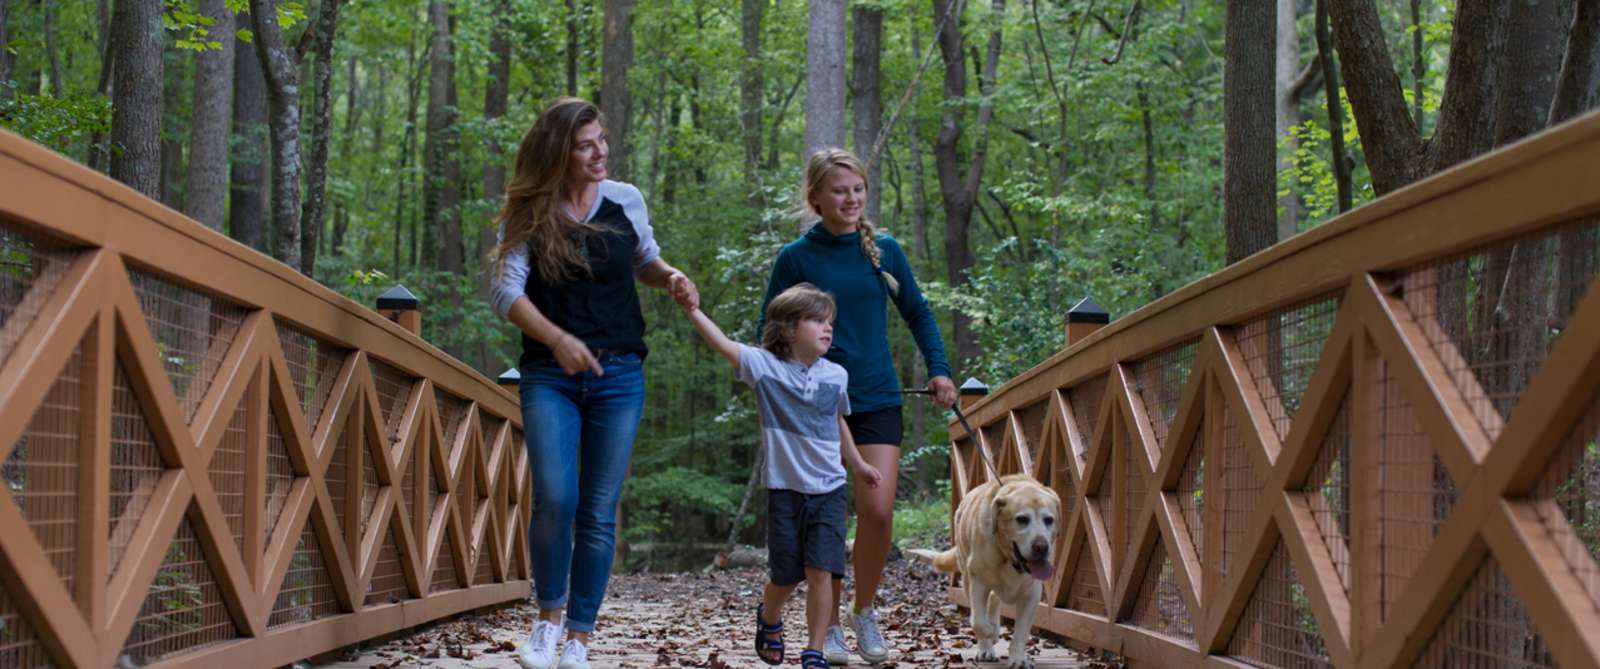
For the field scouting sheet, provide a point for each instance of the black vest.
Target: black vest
(602, 309)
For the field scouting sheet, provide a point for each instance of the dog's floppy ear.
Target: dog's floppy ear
(996, 512)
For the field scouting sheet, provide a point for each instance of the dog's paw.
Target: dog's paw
(987, 656)
(1020, 662)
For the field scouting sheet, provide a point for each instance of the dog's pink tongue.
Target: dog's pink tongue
(1041, 569)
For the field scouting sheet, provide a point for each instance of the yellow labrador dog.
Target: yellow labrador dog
(1004, 545)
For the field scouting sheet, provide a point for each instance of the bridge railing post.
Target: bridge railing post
(1084, 318)
(401, 306)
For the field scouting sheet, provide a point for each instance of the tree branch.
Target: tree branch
(1127, 29)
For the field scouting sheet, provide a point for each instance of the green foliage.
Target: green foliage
(924, 525)
(65, 124)
(662, 503)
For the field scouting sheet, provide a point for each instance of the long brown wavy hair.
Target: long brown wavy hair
(532, 213)
(818, 167)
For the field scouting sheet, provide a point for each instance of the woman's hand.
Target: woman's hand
(683, 290)
(944, 391)
(574, 356)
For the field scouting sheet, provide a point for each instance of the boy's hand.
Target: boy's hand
(684, 291)
(870, 474)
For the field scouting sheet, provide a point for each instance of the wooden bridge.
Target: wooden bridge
(209, 458)
(1374, 445)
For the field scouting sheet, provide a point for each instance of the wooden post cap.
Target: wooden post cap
(512, 376)
(401, 306)
(1084, 318)
(971, 391)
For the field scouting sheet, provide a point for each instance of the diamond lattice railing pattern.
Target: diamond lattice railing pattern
(210, 459)
(1374, 445)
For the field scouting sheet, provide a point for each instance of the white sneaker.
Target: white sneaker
(869, 640)
(539, 651)
(574, 655)
(833, 647)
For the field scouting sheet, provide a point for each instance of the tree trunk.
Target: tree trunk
(1288, 112)
(572, 48)
(1528, 73)
(50, 47)
(1389, 136)
(136, 38)
(1249, 184)
(352, 118)
(206, 190)
(824, 76)
(282, 69)
(1330, 83)
(5, 47)
(495, 98)
(441, 189)
(1578, 86)
(615, 103)
(1419, 66)
(868, 105)
(961, 192)
(751, 83)
(247, 186)
(313, 213)
(1143, 96)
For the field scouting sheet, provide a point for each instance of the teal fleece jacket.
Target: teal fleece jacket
(834, 263)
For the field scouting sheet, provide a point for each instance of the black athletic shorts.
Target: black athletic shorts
(880, 426)
(805, 531)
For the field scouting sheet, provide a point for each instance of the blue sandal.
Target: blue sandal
(812, 658)
(765, 645)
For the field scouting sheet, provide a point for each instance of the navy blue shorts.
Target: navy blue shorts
(879, 426)
(805, 531)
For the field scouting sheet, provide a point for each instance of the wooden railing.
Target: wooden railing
(210, 460)
(1376, 444)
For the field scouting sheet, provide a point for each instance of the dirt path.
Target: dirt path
(703, 620)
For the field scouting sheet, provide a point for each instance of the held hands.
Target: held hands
(683, 290)
(574, 356)
(944, 391)
(869, 473)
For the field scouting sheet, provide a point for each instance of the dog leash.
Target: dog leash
(976, 440)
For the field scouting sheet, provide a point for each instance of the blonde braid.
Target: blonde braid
(869, 247)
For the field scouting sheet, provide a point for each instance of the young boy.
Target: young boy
(801, 400)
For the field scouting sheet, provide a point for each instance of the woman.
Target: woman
(844, 255)
(571, 245)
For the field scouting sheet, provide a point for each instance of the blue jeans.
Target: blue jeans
(580, 432)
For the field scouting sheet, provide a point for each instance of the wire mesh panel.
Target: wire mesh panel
(1241, 489)
(485, 571)
(1493, 312)
(227, 470)
(1570, 496)
(1415, 492)
(31, 267)
(1487, 628)
(1085, 400)
(307, 592)
(394, 391)
(1159, 606)
(192, 331)
(136, 464)
(444, 567)
(1105, 505)
(388, 581)
(336, 475)
(19, 644)
(1282, 348)
(1031, 418)
(183, 609)
(452, 415)
(314, 364)
(280, 474)
(1277, 628)
(1192, 493)
(369, 488)
(41, 474)
(1327, 491)
(1159, 380)
(1083, 593)
(994, 435)
(1133, 492)
(490, 425)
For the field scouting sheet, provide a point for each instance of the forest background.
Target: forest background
(1025, 153)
